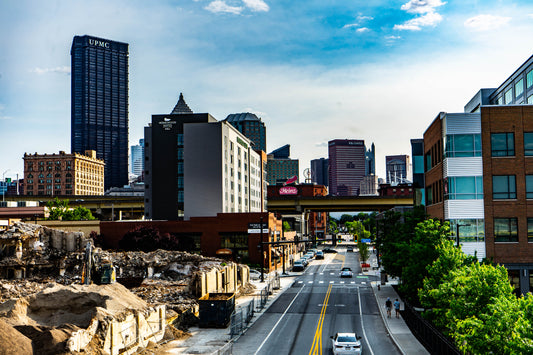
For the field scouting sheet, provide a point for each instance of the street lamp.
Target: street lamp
(457, 231)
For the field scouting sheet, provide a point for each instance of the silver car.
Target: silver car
(345, 343)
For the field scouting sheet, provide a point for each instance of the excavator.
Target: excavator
(95, 268)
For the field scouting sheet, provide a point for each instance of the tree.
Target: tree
(363, 251)
(59, 210)
(286, 226)
(333, 226)
(346, 218)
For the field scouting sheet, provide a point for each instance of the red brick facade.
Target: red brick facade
(433, 154)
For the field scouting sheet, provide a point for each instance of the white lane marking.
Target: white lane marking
(352, 282)
(309, 282)
(320, 282)
(300, 282)
(331, 273)
(321, 273)
(362, 325)
(342, 282)
(279, 320)
(331, 282)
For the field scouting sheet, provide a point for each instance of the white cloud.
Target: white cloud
(421, 6)
(321, 144)
(486, 22)
(362, 30)
(350, 25)
(40, 71)
(416, 24)
(256, 5)
(364, 18)
(219, 6)
(392, 37)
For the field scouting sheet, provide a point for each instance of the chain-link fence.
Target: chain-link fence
(241, 318)
(225, 350)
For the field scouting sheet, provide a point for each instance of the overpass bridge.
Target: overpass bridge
(299, 204)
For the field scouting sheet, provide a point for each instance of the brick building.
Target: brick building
(63, 174)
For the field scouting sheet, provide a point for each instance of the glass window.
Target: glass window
(465, 188)
(505, 230)
(502, 144)
(519, 88)
(503, 187)
(529, 79)
(509, 96)
(528, 143)
(463, 145)
(529, 186)
(500, 100)
(530, 230)
(530, 99)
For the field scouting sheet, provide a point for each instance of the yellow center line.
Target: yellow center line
(316, 348)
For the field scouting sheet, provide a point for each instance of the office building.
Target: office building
(370, 156)
(397, 169)
(347, 166)
(280, 167)
(369, 186)
(251, 126)
(137, 158)
(320, 171)
(99, 104)
(63, 174)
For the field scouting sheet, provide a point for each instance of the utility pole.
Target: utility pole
(262, 252)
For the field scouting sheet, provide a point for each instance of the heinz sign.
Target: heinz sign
(288, 190)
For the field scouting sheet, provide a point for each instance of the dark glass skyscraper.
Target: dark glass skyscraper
(251, 126)
(99, 104)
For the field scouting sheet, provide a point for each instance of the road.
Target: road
(318, 305)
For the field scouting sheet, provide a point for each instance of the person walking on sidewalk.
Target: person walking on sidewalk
(397, 308)
(388, 305)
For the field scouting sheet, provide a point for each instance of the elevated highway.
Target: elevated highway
(298, 204)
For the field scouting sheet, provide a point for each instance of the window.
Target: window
(530, 99)
(502, 144)
(465, 188)
(505, 230)
(509, 96)
(503, 187)
(519, 88)
(528, 143)
(463, 145)
(500, 100)
(530, 230)
(529, 79)
(529, 186)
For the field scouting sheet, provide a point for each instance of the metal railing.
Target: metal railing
(241, 318)
(225, 350)
(434, 341)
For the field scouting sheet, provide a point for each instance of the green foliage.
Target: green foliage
(467, 292)
(59, 210)
(286, 226)
(333, 226)
(355, 228)
(363, 251)
(346, 218)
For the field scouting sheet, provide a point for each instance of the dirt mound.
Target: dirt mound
(13, 342)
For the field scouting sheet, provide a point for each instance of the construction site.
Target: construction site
(61, 295)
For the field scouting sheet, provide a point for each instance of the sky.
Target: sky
(313, 70)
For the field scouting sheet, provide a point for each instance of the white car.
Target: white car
(345, 343)
(254, 274)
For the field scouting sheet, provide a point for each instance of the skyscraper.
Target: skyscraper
(346, 166)
(319, 171)
(280, 167)
(251, 126)
(99, 104)
(397, 168)
(137, 158)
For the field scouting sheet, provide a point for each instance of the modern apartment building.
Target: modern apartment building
(63, 174)
(251, 126)
(347, 166)
(99, 104)
(280, 167)
(417, 153)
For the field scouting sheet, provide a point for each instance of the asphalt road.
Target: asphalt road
(318, 305)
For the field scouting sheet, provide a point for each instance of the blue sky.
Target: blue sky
(313, 70)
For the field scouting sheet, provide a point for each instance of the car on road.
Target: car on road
(304, 260)
(328, 250)
(349, 249)
(319, 255)
(345, 343)
(298, 266)
(346, 272)
(254, 274)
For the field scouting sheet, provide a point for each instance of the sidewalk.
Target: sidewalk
(399, 331)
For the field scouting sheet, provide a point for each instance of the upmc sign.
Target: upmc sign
(288, 190)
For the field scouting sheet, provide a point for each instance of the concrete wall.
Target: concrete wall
(86, 227)
(226, 280)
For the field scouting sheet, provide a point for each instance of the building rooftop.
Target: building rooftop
(181, 107)
(241, 117)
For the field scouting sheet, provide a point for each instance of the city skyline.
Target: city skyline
(377, 71)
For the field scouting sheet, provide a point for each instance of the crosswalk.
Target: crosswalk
(338, 282)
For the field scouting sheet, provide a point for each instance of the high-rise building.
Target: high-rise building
(280, 167)
(319, 171)
(370, 156)
(397, 168)
(346, 166)
(251, 126)
(417, 153)
(99, 104)
(137, 158)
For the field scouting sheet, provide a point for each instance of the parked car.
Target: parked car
(345, 343)
(349, 249)
(319, 255)
(346, 272)
(328, 250)
(304, 260)
(254, 274)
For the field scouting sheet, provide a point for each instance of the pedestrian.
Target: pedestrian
(388, 305)
(397, 308)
